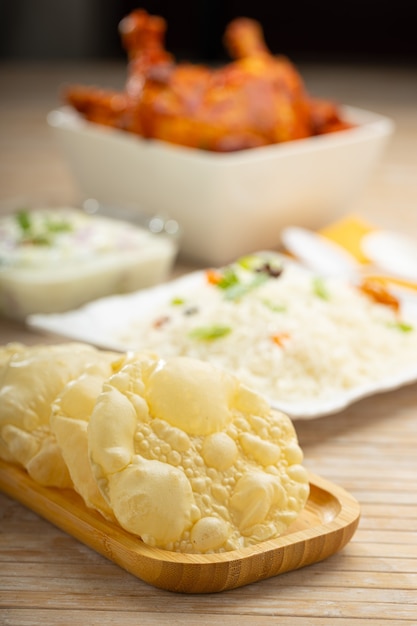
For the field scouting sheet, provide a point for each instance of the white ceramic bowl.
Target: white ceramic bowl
(226, 204)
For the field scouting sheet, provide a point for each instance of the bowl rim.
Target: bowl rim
(369, 125)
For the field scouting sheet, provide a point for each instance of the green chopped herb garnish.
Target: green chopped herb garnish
(177, 301)
(41, 233)
(250, 262)
(24, 221)
(320, 289)
(228, 278)
(237, 291)
(255, 263)
(208, 333)
(58, 226)
(235, 285)
(402, 326)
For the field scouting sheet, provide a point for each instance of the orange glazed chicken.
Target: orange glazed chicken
(255, 100)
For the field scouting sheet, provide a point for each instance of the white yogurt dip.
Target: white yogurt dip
(52, 260)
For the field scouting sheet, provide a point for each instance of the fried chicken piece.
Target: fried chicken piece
(107, 107)
(325, 117)
(255, 100)
(142, 36)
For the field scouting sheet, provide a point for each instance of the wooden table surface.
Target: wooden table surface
(369, 449)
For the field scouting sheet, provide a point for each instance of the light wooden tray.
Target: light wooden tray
(326, 525)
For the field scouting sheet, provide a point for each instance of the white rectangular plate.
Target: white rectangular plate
(102, 321)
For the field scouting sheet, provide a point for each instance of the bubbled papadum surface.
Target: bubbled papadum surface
(176, 451)
(190, 460)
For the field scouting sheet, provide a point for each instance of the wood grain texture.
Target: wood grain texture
(327, 523)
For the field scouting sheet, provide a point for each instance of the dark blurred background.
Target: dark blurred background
(377, 31)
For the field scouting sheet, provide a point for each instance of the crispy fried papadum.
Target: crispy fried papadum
(191, 460)
(178, 451)
(30, 380)
(70, 415)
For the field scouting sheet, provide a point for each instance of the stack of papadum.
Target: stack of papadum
(178, 452)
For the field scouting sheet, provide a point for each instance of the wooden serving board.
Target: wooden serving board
(326, 525)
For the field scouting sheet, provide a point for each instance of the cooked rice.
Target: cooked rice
(333, 337)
